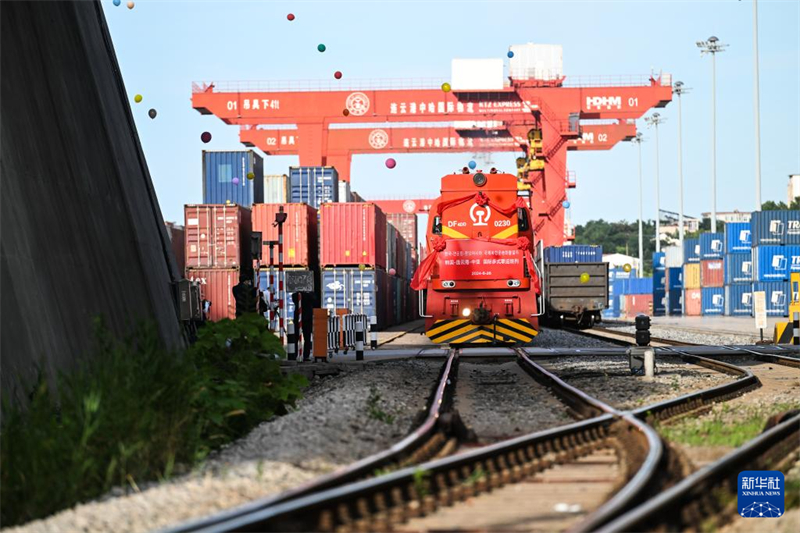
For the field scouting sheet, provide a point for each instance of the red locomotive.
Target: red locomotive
(480, 279)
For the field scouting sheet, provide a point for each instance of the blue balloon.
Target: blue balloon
(117, 2)
(473, 164)
(565, 203)
(510, 54)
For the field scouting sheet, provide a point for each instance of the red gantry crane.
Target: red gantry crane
(544, 116)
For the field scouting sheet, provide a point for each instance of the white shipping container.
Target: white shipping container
(536, 61)
(673, 256)
(275, 189)
(476, 74)
(344, 191)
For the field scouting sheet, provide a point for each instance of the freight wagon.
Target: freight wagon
(571, 300)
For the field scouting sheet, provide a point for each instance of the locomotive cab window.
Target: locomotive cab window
(522, 219)
(437, 225)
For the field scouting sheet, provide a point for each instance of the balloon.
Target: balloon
(473, 164)
(152, 113)
(290, 16)
(130, 5)
(137, 98)
(321, 47)
(626, 267)
(510, 54)
(392, 272)
(345, 112)
(446, 87)
(235, 181)
(391, 163)
(337, 75)
(250, 175)
(566, 204)
(117, 2)
(585, 277)
(227, 202)
(205, 137)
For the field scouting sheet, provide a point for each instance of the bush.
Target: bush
(133, 411)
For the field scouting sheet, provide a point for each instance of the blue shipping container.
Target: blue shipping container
(775, 227)
(314, 185)
(674, 278)
(638, 286)
(738, 268)
(777, 296)
(691, 251)
(659, 302)
(772, 263)
(619, 273)
(737, 238)
(659, 261)
(659, 280)
(713, 300)
(263, 284)
(711, 245)
(221, 169)
(794, 258)
(577, 253)
(739, 299)
(675, 302)
(360, 291)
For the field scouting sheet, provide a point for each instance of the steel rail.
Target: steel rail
(681, 506)
(405, 450)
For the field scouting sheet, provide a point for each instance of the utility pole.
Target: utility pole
(654, 120)
(638, 139)
(679, 90)
(756, 104)
(712, 46)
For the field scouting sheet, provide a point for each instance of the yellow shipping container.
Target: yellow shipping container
(691, 276)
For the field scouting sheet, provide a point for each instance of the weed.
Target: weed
(421, 482)
(378, 472)
(374, 409)
(792, 492)
(475, 476)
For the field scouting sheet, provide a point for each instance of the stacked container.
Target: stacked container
(406, 224)
(775, 255)
(276, 189)
(692, 294)
(638, 297)
(313, 185)
(738, 275)
(576, 253)
(177, 239)
(225, 177)
(659, 284)
(617, 278)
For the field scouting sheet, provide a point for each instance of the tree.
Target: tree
(769, 205)
(620, 237)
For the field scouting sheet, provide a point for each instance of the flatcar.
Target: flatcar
(479, 283)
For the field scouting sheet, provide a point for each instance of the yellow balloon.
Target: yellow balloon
(250, 176)
(626, 267)
(137, 98)
(585, 277)
(446, 87)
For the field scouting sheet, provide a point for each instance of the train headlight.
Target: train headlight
(448, 284)
(466, 312)
(479, 179)
(513, 283)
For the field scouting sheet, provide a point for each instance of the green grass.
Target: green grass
(374, 409)
(721, 427)
(132, 412)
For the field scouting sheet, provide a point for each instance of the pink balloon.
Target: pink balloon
(235, 181)
(205, 137)
(392, 272)
(391, 163)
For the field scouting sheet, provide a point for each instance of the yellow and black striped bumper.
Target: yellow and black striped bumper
(783, 333)
(462, 331)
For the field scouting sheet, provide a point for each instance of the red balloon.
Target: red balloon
(391, 163)
(290, 16)
(205, 137)
(337, 75)
(345, 112)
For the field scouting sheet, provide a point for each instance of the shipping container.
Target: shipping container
(391, 248)
(713, 300)
(217, 236)
(771, 263)
(359, 291)
(536, 62)
(352, 234)
(691, 251)
(344, 192)
(659, 280)
(355, 197)
(313, 185)
(659, 302)
(299, 233)
(691, 276)
(638, 286)
(177, 240)
(711, 245)
(739, 268)
(613, 310)
(216, 286)
(225, 177)
(673, 257)
(577, 253)
(675, 302)
(288, 303)
(793, 251)
(692, 302)
(737, 238)
(775, 227)
(739, 299)
(619, 273)
(638, 304)
(406, 224)
(276, 189)
(712, 273)
(674, 278)
(777, 296)
(659, 261)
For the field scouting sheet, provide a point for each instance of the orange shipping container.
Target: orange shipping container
(352, 234)
(216, 286)
(636, 304)
(217, 235)
(711, 273)
(691, 276)
(299, 233)
(692, 302)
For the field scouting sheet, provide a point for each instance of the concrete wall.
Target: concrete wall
(81, 229)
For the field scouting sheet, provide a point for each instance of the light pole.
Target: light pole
(680, 90)
(756, 105)
(638, 139)
(712, 46)
(654, 120)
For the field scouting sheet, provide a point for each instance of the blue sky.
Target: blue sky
(163, 46)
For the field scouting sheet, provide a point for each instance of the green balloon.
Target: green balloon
(321, 47)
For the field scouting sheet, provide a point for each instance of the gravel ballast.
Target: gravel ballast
(693, 336)
(330, 427)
